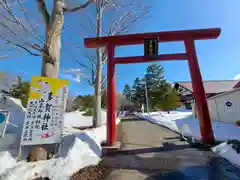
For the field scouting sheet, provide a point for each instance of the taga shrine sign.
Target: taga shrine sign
(43, 122)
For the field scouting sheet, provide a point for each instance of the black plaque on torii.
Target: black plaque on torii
(151, 47)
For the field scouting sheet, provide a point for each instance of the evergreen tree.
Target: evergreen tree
(160, 93)
(127, 92)
(104, 98)
(138, 92)
(83, 102)
(21, 91)
(171, 101)
(156, 84)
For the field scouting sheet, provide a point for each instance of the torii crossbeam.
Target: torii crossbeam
(188, 37)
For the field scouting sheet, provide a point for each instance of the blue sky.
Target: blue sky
(218, 59)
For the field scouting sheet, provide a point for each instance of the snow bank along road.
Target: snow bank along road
(183, 122)
(150, 151)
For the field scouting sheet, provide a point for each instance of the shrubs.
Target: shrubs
(89, 112)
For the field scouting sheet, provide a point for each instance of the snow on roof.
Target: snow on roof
(213, 86)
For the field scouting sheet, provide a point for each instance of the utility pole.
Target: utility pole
(146, 93)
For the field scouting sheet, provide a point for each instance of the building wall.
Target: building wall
(220, 112)
(213, 109)
(218, 109)
(194, 111)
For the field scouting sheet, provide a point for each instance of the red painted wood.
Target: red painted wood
(111, 97)
(188, 37)
(199, 93)
(144, 59)
(169, 36)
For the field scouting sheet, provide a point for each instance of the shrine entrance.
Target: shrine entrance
(151, 42)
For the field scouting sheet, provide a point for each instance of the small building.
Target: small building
(212, 88)
(224, 107)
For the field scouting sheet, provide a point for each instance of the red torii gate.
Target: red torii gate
(189, 37)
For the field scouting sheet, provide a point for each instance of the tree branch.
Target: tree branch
(25, 13)
(126, 21)
(21, 47)
(24, 48)
(79, 7)
(15, 20)
(43, 10)
(129, 25)
(83, 65)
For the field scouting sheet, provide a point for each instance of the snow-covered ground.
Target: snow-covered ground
(226, 151)
(184, 123)
(83, 121)
(82, 148)
(78, 150)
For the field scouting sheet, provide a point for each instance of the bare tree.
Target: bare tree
(112, 17)
(21, 33)
(70, 103)
(18, 32)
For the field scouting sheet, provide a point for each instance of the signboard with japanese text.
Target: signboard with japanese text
(43, 122)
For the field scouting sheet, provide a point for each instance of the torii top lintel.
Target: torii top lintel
(168, 36)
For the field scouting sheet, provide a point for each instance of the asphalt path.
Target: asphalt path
(150, 152)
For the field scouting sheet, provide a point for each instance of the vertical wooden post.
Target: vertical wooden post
(111, 97)
(199, 93)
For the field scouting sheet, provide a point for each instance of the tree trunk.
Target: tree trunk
(98, 81)
(50, 63)
(49, 69)
(97, 95)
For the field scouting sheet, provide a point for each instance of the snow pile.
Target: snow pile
(222, 131)
(6, 161)
(165, 119)
(184, 123)
(227, 151)
(76, 119)
(17, 113)
(78, 150)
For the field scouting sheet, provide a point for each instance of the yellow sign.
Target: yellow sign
(44, 120)
(41, 85)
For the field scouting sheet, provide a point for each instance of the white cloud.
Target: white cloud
(237, 77)
(70, 77)
(71, 70)
(73, 74)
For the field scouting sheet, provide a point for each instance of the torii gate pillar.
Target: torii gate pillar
(188, 37)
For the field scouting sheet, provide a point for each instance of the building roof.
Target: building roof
(215, 86)
(237, 85)
(225, 93)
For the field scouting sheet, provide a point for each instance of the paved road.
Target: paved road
(152, 152)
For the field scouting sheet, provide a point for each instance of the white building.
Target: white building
(224, 107)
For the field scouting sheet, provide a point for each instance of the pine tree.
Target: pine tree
(171, 101)
(156, 84)
(138, 92)
(127, 92)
